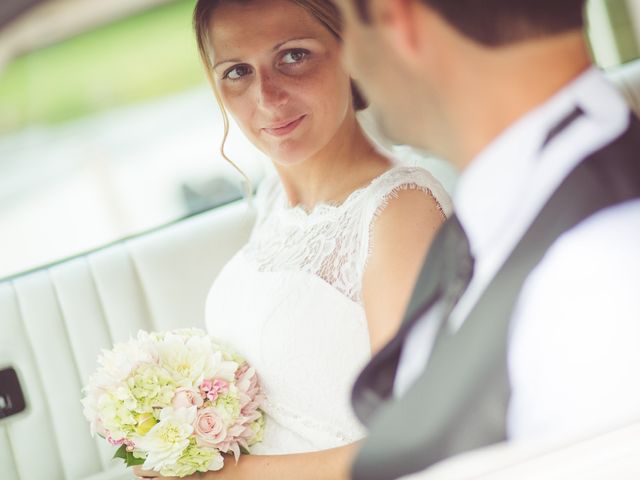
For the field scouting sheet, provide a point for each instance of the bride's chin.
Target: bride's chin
(289, 155)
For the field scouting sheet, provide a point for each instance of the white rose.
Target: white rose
(166, 442)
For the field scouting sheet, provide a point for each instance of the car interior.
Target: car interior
(56, 318)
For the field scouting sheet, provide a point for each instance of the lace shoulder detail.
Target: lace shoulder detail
(388, 187)
(332, 242)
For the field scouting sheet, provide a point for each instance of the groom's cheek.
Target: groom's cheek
(353, 54)
(348, 39)
(346, 55)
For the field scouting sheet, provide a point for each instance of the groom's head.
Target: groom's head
(494, 22)
(413, 58)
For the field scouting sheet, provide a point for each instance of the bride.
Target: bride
(340, 234)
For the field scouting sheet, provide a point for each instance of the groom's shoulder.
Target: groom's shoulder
(601, 254)
(612, 231)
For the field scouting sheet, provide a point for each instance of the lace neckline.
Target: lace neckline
(326, 207)
(332, 241)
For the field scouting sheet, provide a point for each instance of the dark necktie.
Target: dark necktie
(457, 268)
(455, 262)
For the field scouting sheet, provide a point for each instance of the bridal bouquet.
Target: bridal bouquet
(174, 402)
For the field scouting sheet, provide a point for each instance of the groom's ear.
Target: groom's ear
(404, 26)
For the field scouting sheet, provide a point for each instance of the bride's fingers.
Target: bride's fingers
(140, 473)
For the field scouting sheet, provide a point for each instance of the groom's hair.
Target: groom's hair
(501, 22)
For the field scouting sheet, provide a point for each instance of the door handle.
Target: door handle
(12, 399)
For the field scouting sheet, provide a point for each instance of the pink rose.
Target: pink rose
(186, 398)
(209, 428)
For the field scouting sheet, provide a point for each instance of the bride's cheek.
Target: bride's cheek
(242, 110)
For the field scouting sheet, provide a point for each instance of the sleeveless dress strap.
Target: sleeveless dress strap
(387, 187)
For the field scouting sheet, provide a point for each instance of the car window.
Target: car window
(614, 31)
(108, 127)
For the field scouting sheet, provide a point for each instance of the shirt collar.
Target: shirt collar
(492, 186)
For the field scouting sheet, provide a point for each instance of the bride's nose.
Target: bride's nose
(270, 90)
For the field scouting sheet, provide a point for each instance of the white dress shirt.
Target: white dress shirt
(574, 352)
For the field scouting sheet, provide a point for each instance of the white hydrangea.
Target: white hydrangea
(194, 459)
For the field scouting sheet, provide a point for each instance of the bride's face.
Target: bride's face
(279, 73)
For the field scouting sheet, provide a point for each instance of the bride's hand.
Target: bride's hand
(231, 471)
(334, 464)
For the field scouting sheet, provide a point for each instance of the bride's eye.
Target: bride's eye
(237, 72)
(294, 56)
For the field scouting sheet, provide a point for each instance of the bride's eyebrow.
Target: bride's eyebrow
(275, 48)
(231, 60)
(292, 40)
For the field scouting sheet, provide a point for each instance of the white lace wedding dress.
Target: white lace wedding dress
(290, 302)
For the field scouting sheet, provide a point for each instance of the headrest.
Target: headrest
(627, 79)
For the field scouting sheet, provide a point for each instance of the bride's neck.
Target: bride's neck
(346, 163)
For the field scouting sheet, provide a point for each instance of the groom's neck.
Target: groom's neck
(493, 88)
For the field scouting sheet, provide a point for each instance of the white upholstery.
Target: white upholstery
(613, 454)
(627, 79)
(54, 321)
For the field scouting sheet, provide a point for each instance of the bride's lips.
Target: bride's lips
(284, 128)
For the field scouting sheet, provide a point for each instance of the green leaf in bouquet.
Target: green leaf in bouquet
(129, 459)
(121, 452)
(133, 460)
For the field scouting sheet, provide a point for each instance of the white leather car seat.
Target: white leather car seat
(54, 321)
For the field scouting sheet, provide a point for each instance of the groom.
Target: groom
(525, 320)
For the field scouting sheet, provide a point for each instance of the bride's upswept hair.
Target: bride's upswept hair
(322, 10)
